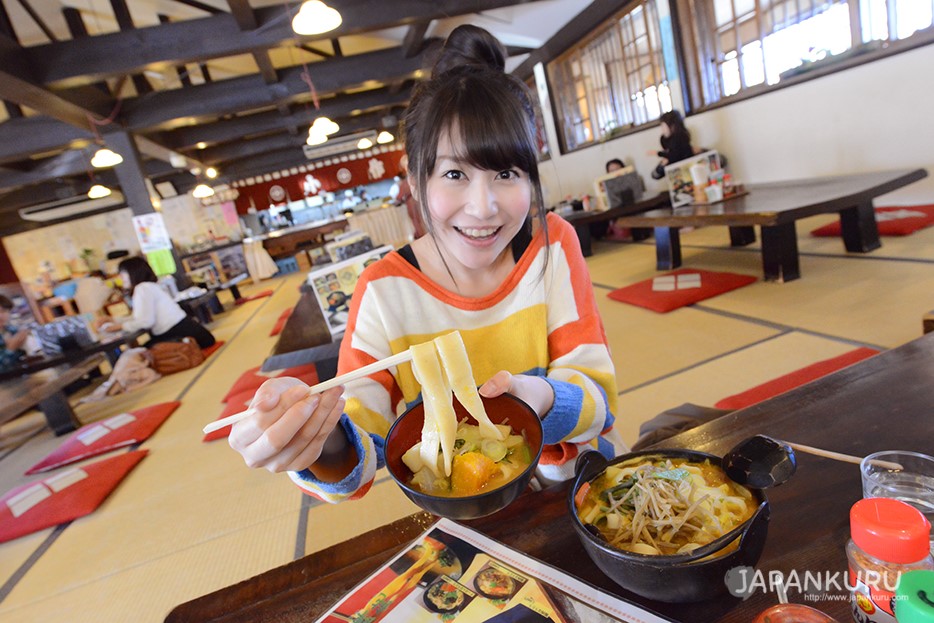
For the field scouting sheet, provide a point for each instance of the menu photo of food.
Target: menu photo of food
(334, 285)
(452, 573)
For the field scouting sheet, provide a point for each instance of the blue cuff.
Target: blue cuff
(351, 482)
(562, 419)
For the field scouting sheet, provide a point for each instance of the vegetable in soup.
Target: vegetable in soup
(656, 505)
(479, 463)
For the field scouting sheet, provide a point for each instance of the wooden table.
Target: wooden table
(774, 208)
(110, 344)
(305, 338)
(46, 389)
(881, 403)
(583, 220)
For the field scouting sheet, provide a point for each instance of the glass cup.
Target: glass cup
(913, 484)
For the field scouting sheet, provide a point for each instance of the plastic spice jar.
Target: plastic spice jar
(887, 539)
(914, 599)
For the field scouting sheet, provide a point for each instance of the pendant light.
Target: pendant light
(202, 191)
(315, 17)
(104, 158)
(98, 191)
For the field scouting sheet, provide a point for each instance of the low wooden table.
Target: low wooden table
(881, 403)
(775, 208)
(46, 389)
(582, 220)
(304, 339)
(110, 344)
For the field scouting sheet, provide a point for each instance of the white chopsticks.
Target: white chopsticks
(372, 368)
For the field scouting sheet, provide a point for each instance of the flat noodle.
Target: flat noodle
(440, 425)
(457, 368)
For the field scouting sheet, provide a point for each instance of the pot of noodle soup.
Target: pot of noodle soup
(666, 524)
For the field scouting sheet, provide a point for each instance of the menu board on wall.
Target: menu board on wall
(151, 232)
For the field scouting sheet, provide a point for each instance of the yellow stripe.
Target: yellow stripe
(505, 345)
(368, 420)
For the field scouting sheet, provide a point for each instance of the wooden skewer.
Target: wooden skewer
(846, 458)
(353, 375)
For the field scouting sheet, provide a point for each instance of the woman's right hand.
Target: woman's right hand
(289, 427)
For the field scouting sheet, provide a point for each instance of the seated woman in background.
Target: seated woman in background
(153, 308)
(11, 351)
(676, 142)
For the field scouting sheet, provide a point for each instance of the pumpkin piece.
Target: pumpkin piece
(470, 472)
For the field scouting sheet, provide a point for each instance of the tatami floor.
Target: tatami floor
(191, 518)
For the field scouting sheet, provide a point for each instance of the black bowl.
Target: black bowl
(677, 578)
(406, 431)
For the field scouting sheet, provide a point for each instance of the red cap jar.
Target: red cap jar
(887, 538)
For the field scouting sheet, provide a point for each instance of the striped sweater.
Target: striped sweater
(537, 323)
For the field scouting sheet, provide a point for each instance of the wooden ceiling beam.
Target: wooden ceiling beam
(20, 138)
(38, 20)
(415, 38)
(223, 154)
(17, 85)
(122, 53)
(201, 6)
(246, 20)
(172, 109)
(77, 29)
(261, 123)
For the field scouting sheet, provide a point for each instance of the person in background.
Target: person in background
(608, 229)
(153, 309)
(407, 198)
(676, 142)
(13, 339)
(492, 254)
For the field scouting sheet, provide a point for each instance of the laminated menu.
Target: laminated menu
(452, 573)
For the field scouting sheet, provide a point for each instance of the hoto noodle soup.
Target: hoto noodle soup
(664, 506)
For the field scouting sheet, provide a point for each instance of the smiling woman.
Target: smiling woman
(492, 266)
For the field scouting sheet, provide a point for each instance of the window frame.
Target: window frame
(698, 78)
(558, 80)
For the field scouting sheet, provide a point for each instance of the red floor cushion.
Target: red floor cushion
(253, 378)
(253, 297)
(794, 379)
(120, 430)
(235, 404)
(213, 348)
(685, 286)
(892, 221)
(280, 323)
(64, 496)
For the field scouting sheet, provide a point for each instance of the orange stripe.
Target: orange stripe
(361, 491)
(558, 454)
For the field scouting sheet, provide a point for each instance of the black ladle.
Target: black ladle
(760, 462)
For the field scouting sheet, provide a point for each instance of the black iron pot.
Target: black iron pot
(678, 578)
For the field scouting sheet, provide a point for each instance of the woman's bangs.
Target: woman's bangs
(488, 138)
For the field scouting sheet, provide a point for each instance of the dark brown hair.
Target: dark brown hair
(491, 110)
(675, 122)
(5, 303)
(138, 270)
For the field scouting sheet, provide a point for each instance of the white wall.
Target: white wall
(877, 116)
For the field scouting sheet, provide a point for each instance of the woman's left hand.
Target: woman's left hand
(533, 390)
